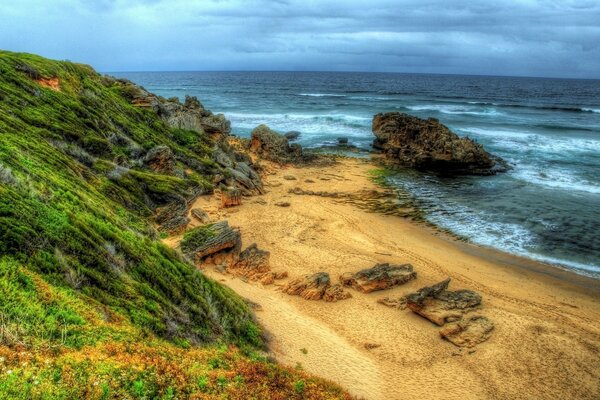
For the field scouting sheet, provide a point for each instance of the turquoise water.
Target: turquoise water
(547, 207)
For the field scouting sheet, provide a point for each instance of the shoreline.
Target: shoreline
(539, 314)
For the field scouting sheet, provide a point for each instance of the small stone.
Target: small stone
(282, 204)
(289, 178)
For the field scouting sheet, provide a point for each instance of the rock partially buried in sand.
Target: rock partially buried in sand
(253, 264)
(380, 277)
(316, 287)
(440, 305)
(429, 145)
(200, 215)
(468, 332)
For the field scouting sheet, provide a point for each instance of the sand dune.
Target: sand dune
(546, 342)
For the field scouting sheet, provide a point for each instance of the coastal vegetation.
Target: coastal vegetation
(92, 305)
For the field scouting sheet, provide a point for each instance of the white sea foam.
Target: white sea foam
(456, 109)
(526, 140)
(593, 110)
(554, 178)
(322, 94)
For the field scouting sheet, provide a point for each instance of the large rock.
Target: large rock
(316, 287)
(270, 145)
(379, 277)
(209, 240)
(429, 145)
(439, 305)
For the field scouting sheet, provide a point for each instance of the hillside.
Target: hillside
(93, 170)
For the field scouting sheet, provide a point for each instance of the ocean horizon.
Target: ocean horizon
(548, 129)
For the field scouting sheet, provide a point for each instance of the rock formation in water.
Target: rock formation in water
(427, 144)
(379, 277)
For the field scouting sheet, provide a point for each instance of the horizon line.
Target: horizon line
(350, 72)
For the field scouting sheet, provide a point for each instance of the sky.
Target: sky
(551, 38)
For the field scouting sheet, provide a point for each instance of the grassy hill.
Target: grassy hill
(92, 305)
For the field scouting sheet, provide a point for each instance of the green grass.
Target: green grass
(92, 304)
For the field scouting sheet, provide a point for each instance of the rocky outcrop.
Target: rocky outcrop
(316, 287)
(270, 145)
(468, 332)
(379, 277)
(214, 243)
(429, 145)
(230, 197)
(439, 305)
(253, 264)
(160, 159)
(292, 135)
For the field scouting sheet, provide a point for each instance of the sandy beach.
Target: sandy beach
(546, 341)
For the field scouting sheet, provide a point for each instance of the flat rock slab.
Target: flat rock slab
(379, 277)
(316, 287)
(206, 240)
(468, 332)
(440, 305)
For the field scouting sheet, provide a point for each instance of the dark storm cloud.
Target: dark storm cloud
(542, 38)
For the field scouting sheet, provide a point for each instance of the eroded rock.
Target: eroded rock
(379, 277)
(270, 145)
(468, 332)
(253, 264)
(316, 287)
(160, 159)
(429, 145)
(200, 215)
(439, 305)
(210, 241)
(230, 197)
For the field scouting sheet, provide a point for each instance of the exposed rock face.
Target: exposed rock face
(272, 146)
(429, 145)
(316, 287)
(210, 240)
(440, 305)
(173, 218)
(230, 197)
(253, 264)
(380, 277)
(468, 332)
(160, 159)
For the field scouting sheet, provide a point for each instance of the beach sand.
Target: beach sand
(546, 341)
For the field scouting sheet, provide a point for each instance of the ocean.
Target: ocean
(547, 207)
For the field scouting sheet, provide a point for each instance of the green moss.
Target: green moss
(196, 237)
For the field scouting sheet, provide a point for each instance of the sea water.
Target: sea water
(547, 207)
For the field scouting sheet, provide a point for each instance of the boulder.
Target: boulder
(270, 145)
(468, 332)
(429, 145)
(316, 287)
(230, 197)
(439, 305)
(379, 277)
(207, 240)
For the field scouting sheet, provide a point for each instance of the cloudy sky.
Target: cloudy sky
(497, 37)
